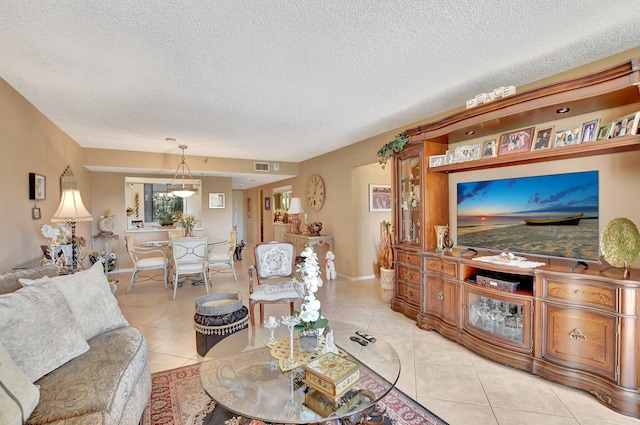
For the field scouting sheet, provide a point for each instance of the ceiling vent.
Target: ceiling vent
(260, 166)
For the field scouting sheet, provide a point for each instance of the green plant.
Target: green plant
(396, 145)
(166, 219)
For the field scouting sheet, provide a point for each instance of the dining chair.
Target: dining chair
(271, 278)
(190, 256)
(142, 261)
(221, 254)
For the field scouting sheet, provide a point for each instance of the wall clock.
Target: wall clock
(315, 192)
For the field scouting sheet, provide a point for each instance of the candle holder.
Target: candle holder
(272, 323)
(290, 321)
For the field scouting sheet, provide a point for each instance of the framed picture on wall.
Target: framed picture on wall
(216, 200)
(267, 203)
(35, 213)
(379, 197)
(37, 187)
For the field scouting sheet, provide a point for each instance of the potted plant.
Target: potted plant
(396, 145)
(385, 262)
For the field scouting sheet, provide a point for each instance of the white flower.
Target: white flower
(310, 272)
(50, 232)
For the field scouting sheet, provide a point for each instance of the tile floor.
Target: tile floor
(458, 385)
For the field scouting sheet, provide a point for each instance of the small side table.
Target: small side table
(106, 241)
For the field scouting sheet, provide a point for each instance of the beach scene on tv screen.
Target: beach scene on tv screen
(552, 215)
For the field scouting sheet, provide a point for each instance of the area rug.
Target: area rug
(178, 399)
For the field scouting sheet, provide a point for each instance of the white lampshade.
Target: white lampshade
(71, 208)
(296, 206)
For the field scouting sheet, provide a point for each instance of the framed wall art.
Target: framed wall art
(267, 203)
(516, 141)
(37, 187)
(216, 200)
(379, 197)
(35, 213)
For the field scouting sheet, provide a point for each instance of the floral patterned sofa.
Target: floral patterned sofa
(67, 354)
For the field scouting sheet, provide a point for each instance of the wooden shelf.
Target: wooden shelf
(621, 144)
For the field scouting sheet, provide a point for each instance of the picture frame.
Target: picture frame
(603, 131)
(37, 187)
(267, 203)
(437, 160)
(217, 200)
(589, 131)
(380, 198)
(516, 141)
(489, 149)
(625, 125)
(567, 137)
(465, 153)
(544, 138)
(248, 207)
(35, 213)
(450, 157)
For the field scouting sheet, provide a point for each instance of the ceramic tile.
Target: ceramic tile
(457, 413)
(520, 417)
(449, 383)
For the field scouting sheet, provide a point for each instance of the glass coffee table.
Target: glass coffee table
(241, 374)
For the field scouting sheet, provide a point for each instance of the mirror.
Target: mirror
(282, 198)
(151, 206)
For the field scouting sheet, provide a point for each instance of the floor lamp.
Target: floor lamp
(71, 210)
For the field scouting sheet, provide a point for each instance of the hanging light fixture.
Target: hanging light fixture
(183, 190)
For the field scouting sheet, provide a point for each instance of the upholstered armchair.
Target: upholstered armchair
(145, 258)
(271, 278)
(221, 254)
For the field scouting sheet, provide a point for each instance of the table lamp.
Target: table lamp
(71, 210)
(294, 209)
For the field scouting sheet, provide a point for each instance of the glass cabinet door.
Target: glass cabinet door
(496, 316)
(410, 198)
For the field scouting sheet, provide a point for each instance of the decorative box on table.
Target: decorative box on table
(331, 374)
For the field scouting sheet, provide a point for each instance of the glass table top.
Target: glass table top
(242, 375)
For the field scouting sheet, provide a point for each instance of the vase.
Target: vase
(387, 284)
(440, 232)
(188, 232)
(105, 224)
(308, 340)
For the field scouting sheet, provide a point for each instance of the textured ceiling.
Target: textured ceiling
(285, 80)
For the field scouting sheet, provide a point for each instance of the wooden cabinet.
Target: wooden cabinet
(439, 310)
(409, 277)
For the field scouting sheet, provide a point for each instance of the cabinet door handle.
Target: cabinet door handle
(440, 295)
(578, 335)
(579, 293)
(408, 293)
(407, 275)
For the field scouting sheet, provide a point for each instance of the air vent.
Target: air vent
(260, 166)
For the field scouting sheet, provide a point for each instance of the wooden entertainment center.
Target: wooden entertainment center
(573, 325)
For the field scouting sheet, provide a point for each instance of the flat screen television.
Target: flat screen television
(551, 215)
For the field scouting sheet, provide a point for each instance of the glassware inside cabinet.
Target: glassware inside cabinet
(410, 220)
(496, 316)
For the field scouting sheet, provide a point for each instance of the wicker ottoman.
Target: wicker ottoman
(218, 316)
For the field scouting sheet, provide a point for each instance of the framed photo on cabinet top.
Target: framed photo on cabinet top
(603, 132)
(37, 187)
(590, 130)
(543, 138)
(379, 197)
(467, 152)
(489, 148)
(567, 137)
(437, 160)
(625, 125)
(450, 157)
(216, 200)
(516, 141)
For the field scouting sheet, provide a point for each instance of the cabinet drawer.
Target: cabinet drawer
(409, 258)
(410, 275)
(579, 339)
(447, 269)
(409, 292)
(581, 292)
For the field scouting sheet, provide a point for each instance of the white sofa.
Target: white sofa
(67, 354)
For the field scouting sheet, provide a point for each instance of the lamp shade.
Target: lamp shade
(71, 208)
(296, 206)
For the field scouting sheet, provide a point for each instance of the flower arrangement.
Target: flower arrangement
(59, 235)
(310, 313)
(186, 221)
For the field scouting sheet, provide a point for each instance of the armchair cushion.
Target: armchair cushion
(277, 290)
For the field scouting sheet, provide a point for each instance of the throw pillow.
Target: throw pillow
(18, 396)
(38, 330)
(91, 301)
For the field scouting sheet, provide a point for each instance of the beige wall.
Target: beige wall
(33, 144)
